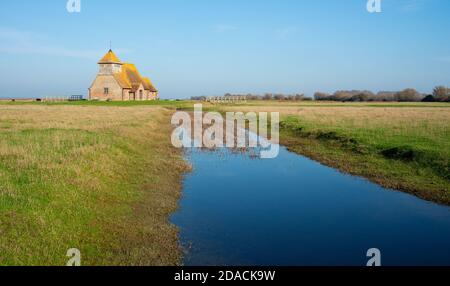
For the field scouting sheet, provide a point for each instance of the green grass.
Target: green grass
(413, 159)
(103, 180)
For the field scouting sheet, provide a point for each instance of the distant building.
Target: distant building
(117, 81)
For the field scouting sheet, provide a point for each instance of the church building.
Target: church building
(117, 81)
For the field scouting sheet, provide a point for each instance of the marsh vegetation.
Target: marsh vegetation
(100, 179)
(405, 146)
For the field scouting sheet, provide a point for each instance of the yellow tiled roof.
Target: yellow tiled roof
(131, 79)
(148, 84)
(110, 58)
(122, 80)
(132, 75)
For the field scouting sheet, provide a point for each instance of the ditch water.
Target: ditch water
(291, 211)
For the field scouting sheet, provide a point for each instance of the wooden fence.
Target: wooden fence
(226, 99)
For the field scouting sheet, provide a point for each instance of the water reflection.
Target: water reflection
(238, 209)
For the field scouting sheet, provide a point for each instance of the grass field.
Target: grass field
(100, 179)
(278, 104)
(103, 177)
(404, 146)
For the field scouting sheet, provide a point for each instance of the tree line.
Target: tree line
(440, 94)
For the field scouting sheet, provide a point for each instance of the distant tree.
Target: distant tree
(408, 95)
(321, 96)
(429, 98)
(252, 97)
(385, 96)
(342, 95)
(299, 96)
(441, 93)
(279, 96)
(361, 97)
(268, 96)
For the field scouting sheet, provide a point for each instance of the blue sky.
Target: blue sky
(201, 47)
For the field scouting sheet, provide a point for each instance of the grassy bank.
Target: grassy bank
(400, 146)
(100, 179)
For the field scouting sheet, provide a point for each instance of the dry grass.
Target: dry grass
(431, 123)
(272, 103)
(101, 179)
